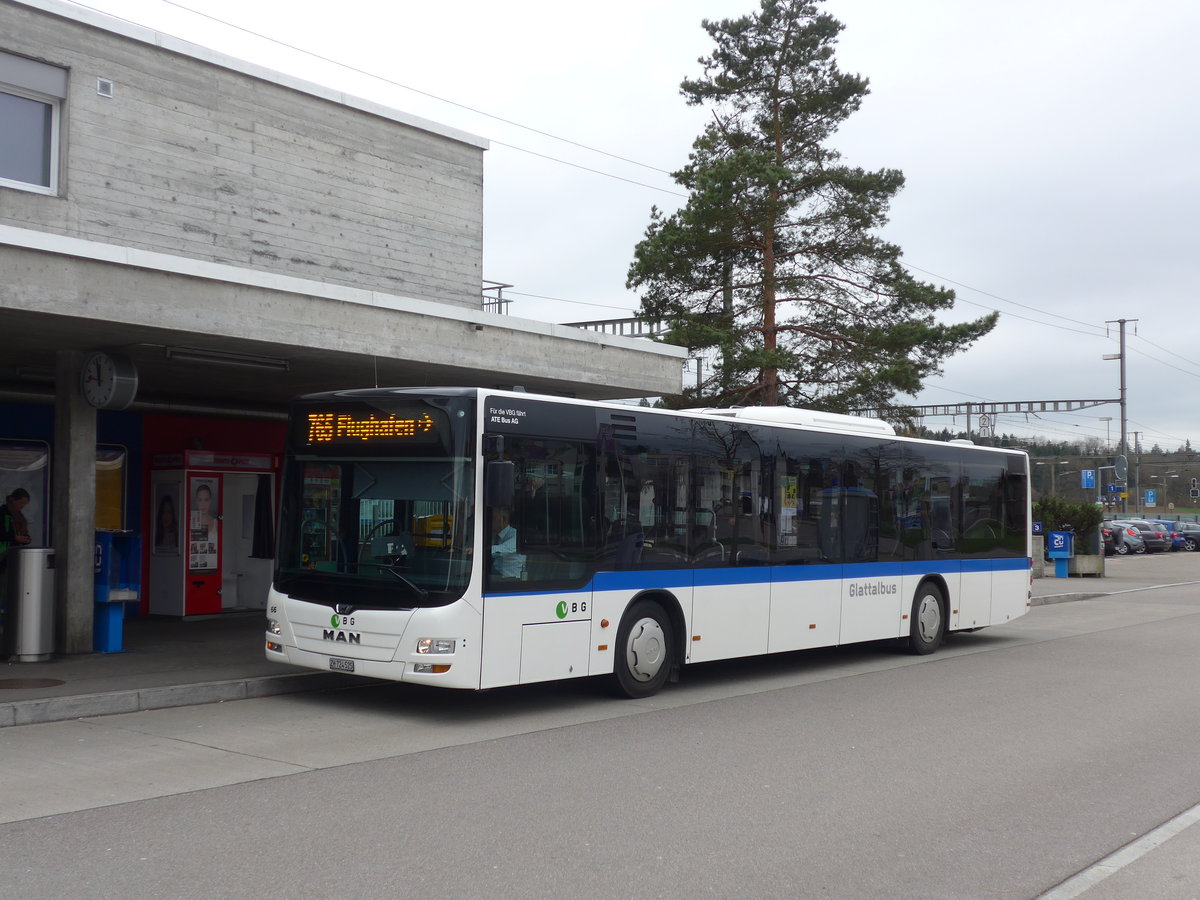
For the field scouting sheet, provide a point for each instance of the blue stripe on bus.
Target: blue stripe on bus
(667, 579)
(1008, 564)
(823, 572)
(646, 580)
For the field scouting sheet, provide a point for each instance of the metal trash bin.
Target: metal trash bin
(29, 617)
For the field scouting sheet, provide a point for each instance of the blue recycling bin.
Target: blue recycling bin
(118, 581)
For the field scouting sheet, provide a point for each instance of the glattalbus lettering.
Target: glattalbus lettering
(341, 637)
(871, 588)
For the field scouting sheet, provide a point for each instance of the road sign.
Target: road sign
(1113, 488)
(1151, 498)
(1121, 468)
(1087, 478)
(1037, 528)
(1194, 493)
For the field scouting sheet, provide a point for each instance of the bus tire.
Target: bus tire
(928, 620)
(645, 650)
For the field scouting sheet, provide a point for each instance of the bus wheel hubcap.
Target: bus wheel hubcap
(928, 618)
(647, 649)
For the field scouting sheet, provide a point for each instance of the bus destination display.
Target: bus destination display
(328, 428)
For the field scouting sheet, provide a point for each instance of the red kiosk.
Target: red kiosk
(211, 533)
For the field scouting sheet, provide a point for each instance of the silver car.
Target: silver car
(1126, 538)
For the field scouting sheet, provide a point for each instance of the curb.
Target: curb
(108, 703)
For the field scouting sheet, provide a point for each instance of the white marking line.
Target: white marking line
(1130, 853)
(1151, 587)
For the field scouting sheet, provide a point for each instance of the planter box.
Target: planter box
(1086, 566)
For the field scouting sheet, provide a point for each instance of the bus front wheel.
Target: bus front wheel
(928, 620)
(644, 647)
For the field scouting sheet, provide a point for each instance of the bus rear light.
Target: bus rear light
(430, 669)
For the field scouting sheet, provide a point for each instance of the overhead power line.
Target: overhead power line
(407, 87)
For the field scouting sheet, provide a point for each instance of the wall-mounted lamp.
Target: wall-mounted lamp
(225, 358)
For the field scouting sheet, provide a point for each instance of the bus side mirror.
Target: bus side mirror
(500, 479)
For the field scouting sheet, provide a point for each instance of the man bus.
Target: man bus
(474, 538)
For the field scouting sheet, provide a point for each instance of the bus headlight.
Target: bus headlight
(436, 645)
(273, 626)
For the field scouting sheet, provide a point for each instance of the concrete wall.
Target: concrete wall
(338, 339)
(198, 160)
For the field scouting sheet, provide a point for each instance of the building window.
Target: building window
(31, 97)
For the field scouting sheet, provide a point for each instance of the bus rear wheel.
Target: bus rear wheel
(644, 650)
(928, 620)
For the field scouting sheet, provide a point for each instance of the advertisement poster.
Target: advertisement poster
(789, 495)
(203, 535)
(166, 519)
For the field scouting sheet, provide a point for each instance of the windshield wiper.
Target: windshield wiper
(404, 579)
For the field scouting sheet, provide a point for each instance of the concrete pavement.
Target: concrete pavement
(182, 662)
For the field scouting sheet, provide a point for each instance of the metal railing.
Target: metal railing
(492, 297)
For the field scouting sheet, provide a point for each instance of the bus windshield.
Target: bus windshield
(377, 503)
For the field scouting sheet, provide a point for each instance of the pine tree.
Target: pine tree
(773, 265)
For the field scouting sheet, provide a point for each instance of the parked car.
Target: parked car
(1172, 533)
(1152, 535)
(1106, 540)
(1126, 538)
(1190, 533)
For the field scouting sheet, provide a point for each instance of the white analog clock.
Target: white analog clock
(108, 380)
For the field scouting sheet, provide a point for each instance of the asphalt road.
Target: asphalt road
(1003, 765)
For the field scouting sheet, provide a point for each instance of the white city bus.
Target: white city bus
(473, 538)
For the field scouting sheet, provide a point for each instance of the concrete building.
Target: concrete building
(228, 237)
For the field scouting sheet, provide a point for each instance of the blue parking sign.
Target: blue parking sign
(1087, 478)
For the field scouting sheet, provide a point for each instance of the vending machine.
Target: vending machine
(211, 532)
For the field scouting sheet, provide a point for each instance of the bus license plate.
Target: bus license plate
(341, 665)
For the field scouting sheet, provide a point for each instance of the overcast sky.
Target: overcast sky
(1049, 147)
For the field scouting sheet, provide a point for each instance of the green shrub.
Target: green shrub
(1054, 513)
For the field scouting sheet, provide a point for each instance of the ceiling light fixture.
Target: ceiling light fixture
(225, 358)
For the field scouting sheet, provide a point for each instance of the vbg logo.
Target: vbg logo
(564, 609)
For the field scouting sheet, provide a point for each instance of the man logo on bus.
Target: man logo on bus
(561, 611)
(339, 636)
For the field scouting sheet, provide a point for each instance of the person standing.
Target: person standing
(14, 532)
(506, 561)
